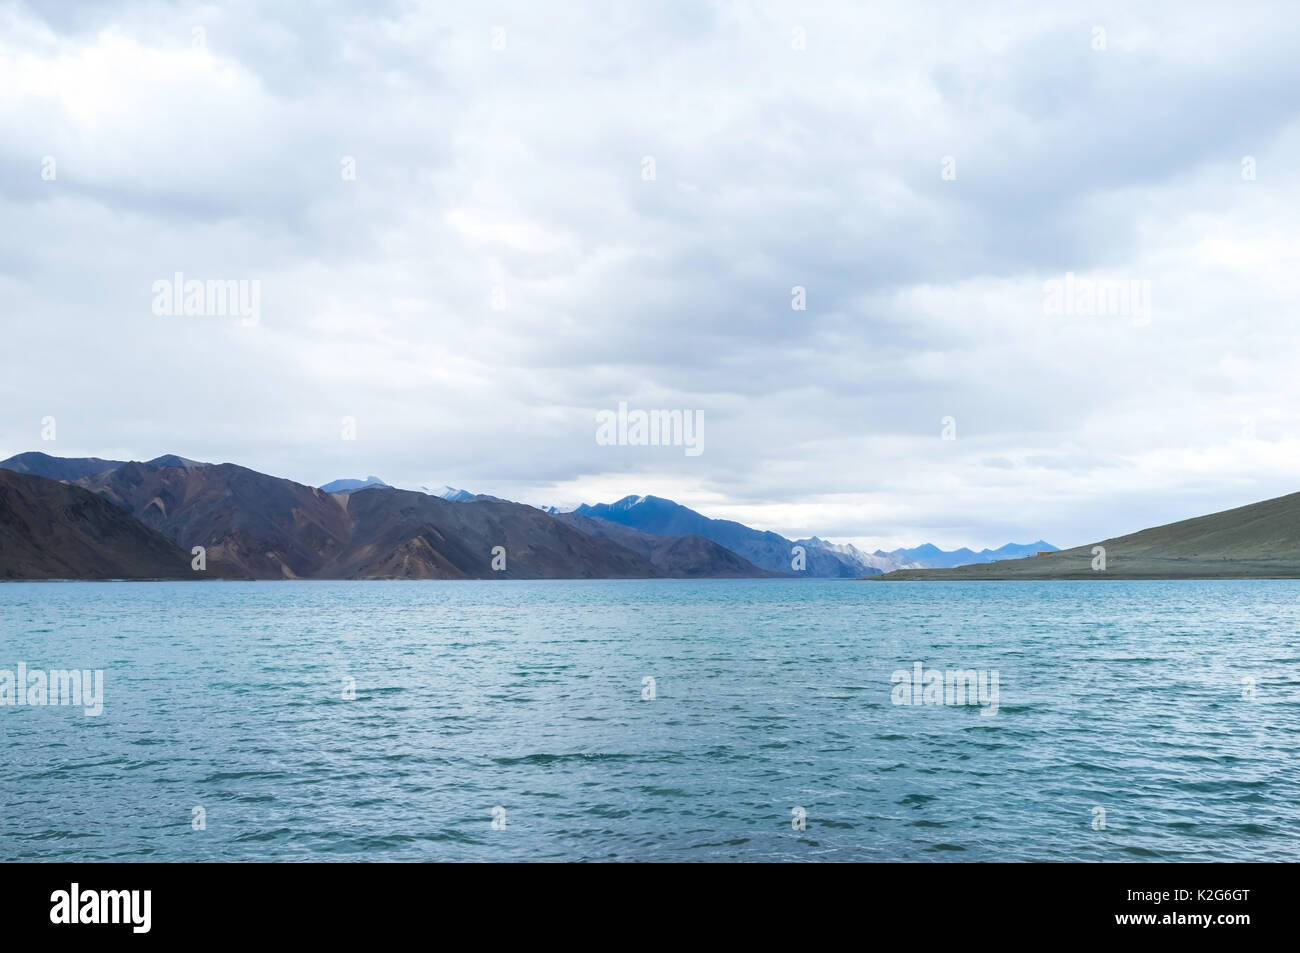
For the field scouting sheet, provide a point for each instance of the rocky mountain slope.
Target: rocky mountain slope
(51, 530)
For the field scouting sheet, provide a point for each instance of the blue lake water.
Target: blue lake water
(769, 695)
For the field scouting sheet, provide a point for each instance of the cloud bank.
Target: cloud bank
(474, 231)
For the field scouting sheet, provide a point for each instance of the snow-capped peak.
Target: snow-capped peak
(448, 493)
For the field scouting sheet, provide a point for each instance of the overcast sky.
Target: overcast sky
(502, 267)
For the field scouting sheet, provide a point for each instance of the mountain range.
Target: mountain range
(652, 514)
(252, 525)
(931, 556)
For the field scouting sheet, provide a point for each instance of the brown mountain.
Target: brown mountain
(270, 528)
(50, 530)
(254, 524)
(404, 534)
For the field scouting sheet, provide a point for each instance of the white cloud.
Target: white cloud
(514, 177)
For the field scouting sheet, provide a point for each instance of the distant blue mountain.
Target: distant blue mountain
(767, 550)
(1019, 550)
(931, 556)
(348, 486)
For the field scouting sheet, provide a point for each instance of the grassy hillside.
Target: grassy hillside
(1261, 540)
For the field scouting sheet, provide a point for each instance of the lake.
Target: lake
(656, 720)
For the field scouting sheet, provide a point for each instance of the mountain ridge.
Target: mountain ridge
(260, 526)
(765, 549)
